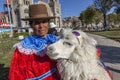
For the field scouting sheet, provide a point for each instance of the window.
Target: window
(51, 0)
(26, 11)
(26, 2)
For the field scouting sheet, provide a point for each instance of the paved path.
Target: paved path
(110, 54)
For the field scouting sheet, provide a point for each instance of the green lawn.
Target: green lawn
(109, 34)
(4, 65)
(6, 50)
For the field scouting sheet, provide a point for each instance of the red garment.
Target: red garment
(29, 66)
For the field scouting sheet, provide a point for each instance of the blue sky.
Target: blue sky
(68, 7)
(74, 7)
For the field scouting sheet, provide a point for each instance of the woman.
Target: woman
(29, 61)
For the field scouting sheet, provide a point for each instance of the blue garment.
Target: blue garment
(38, 43)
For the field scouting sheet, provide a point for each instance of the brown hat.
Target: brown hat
(41, 10)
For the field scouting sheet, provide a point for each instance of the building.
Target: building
(4, 22)
(5, 19)
(19, 9)
(56, 9)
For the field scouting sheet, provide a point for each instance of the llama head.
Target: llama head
(72, 44)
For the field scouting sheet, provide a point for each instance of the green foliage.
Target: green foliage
(118, 15)
(104, 6)
(4, 35)
(88, 15)
(82, 16)
(113, 26)
(112, 18)
(97, 17)
(23, 33)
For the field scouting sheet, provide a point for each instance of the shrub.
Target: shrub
(23, 33)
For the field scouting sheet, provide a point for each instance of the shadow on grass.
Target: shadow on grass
(112, 69)
(111, 55)
(3, 72)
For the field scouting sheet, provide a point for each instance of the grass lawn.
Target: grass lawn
(6, 51)
(115, 34)
(4, 65)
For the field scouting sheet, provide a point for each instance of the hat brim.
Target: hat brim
(31, 19)
(53, 26)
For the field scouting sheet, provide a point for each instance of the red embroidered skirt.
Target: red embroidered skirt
(29, 66)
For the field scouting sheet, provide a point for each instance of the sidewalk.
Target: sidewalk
(110, 54)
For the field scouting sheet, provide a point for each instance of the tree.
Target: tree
(112, 18)
(116, 3)
(98, 17)
(82, 17)
(87, 16)
(104, 6)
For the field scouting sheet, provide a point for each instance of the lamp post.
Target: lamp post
(9, 15)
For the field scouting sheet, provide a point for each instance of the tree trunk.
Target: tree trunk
(104, 24)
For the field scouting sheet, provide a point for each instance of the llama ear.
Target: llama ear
(83, 38)
(80, 40)
(78, 37)
(76, 33)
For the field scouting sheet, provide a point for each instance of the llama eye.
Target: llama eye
(67, 43)
(67, 38)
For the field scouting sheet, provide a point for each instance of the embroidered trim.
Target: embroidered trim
(29, 51)
(35, 44)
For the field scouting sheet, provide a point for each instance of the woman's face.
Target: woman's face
(40, 27)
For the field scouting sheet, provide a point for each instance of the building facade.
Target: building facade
(5, 19)
(56, 9)
(19, 9)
